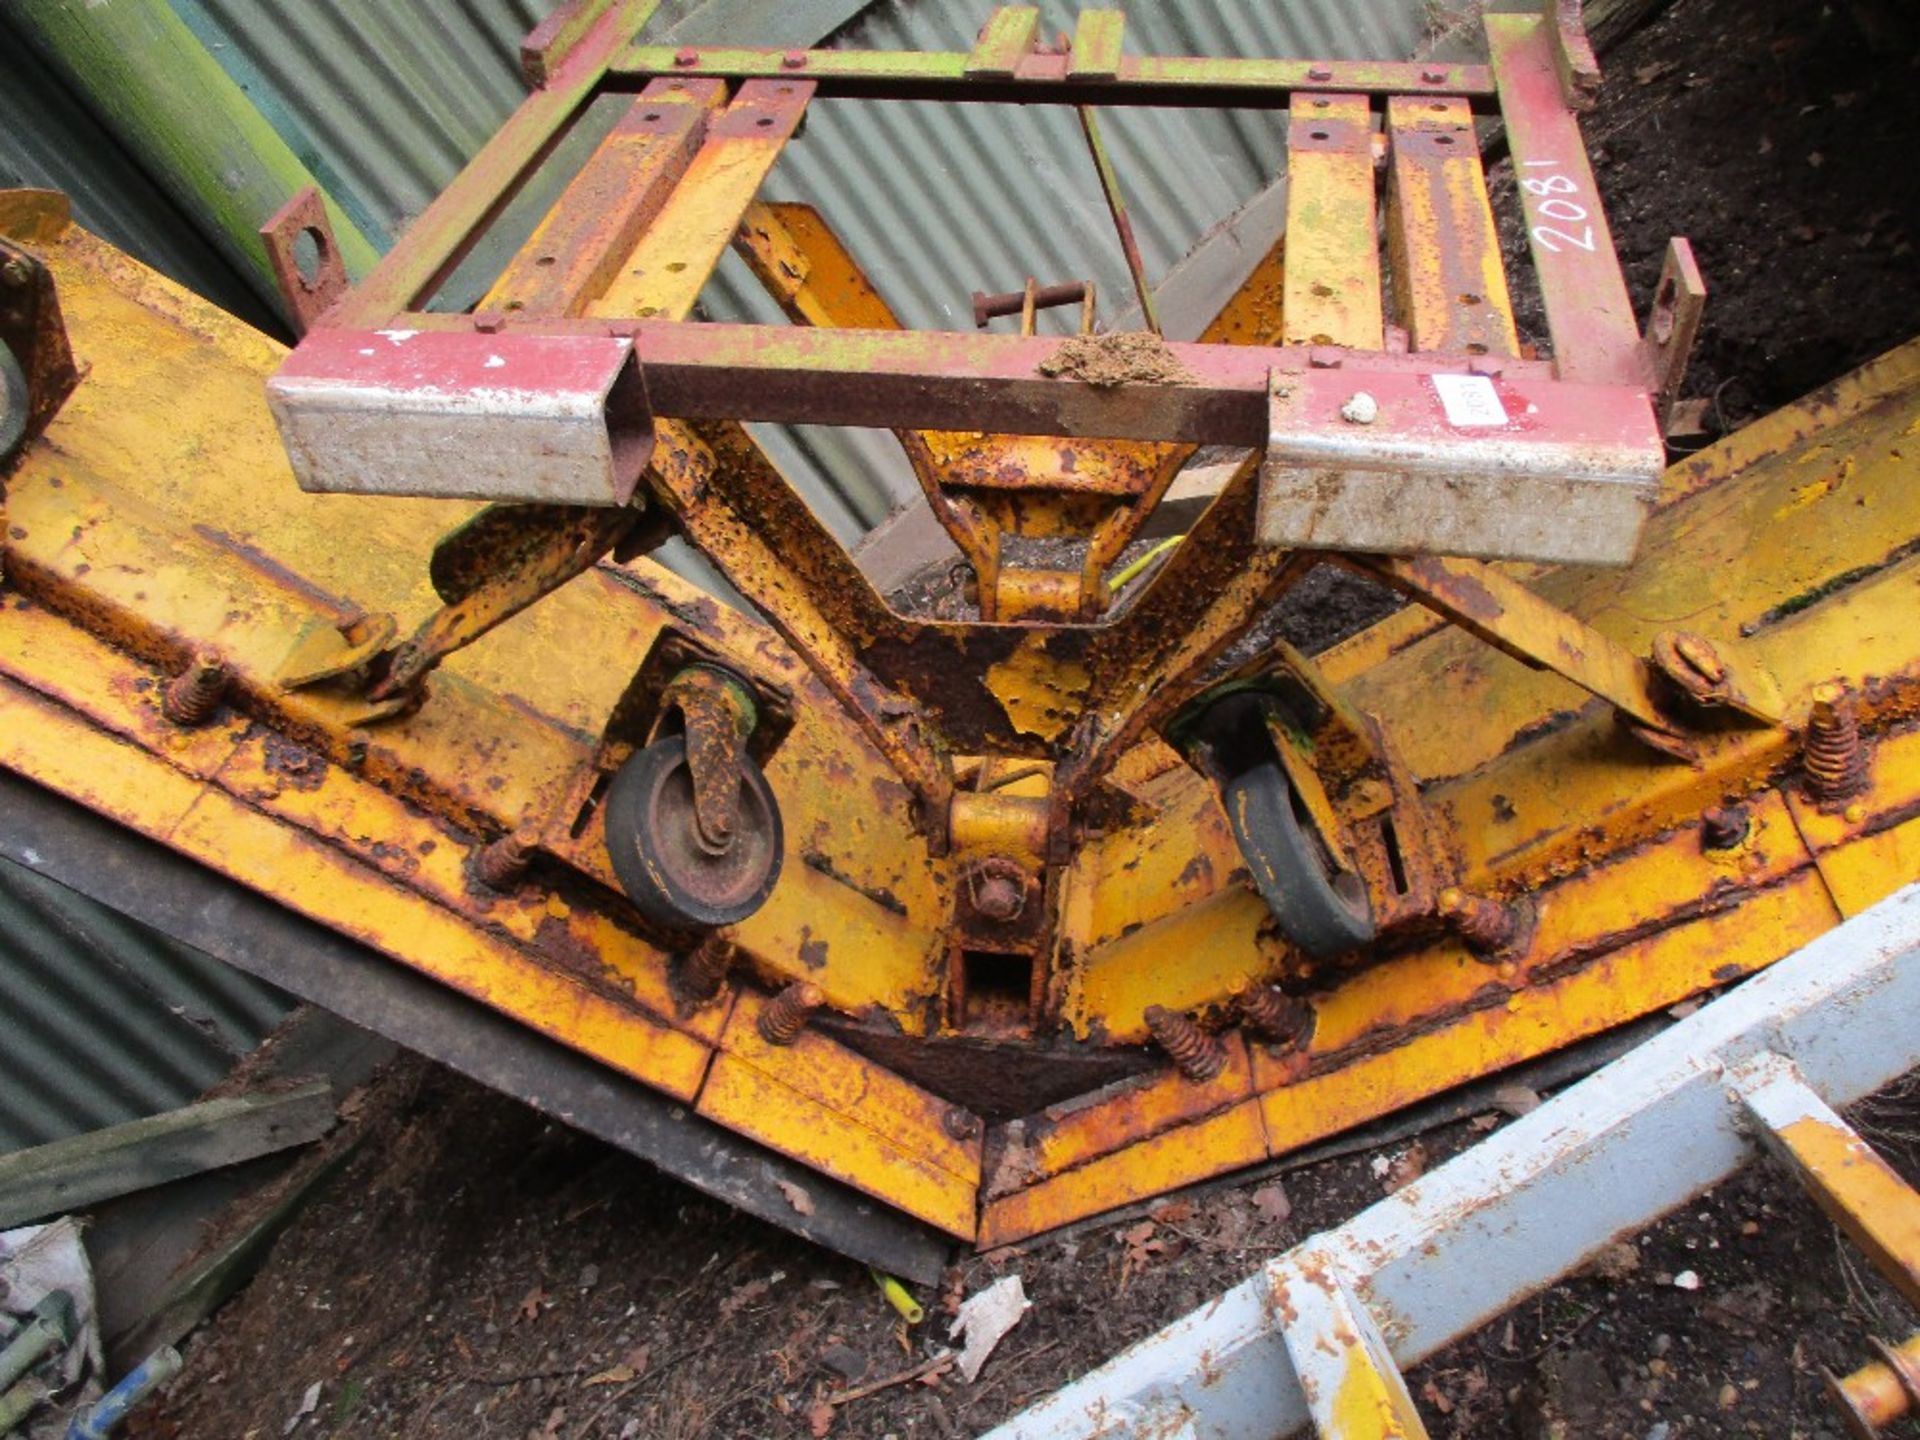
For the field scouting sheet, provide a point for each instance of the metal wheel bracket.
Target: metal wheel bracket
(33, 333)
(716, 716)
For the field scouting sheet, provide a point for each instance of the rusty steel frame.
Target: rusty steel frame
(995, 862)
(1602, 443)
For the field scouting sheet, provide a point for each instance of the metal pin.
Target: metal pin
(1486, 925)
(707, 966)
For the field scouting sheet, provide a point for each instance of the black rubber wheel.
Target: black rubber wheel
(15, 402)
(1319, 907)
(667, 872)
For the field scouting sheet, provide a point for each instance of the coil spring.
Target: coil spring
(1198, 1055)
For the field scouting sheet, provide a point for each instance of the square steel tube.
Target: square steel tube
(1447, 464)
(560, 418)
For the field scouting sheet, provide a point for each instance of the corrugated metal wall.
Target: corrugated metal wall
(103, 1020)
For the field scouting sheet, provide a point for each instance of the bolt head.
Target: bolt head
(1723, 826)
(1319, 72)
(687, 57)
(999, 898)
(794, 60)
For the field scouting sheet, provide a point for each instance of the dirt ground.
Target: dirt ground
(474, 1271)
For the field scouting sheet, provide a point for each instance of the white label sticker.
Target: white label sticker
(1469, 400)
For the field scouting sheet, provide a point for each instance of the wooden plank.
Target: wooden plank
(1448, 282)
(1331, 284)
(72, 1174)
(663, 273)
(574, 253)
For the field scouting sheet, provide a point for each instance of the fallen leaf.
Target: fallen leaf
(1435, 1397)
(532, 1303)
(1481, 1124)
(1230, 1232)
(1516, 1100)
(1405, 1168)
(554, 1422)
(1272, 1203)
(742, 1296)
(612, 1375)
(819, 1418)
(1172, 1212)
(798, 1198)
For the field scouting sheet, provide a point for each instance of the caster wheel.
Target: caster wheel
(1320, 907)
(667, 869)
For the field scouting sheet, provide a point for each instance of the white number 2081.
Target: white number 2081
(1557, 206)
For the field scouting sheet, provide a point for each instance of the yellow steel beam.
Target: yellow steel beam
(1332, 283)
(575, 251)
(822, 1103)
(1859, 1190)
(663, 273)
(1449, 285)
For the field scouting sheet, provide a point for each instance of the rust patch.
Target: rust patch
(812, 952)
(1196, 871)
(292, 762)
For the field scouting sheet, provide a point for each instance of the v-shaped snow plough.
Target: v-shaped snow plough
(896, 928)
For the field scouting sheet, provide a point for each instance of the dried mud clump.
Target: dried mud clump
(1133, 357)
